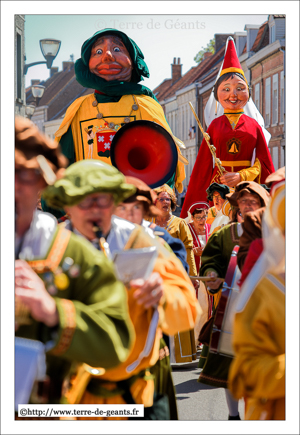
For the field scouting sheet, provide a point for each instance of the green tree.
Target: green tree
(210, 48)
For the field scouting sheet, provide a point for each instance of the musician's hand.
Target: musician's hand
(30, 289)
(198, 251)
(148, 292)
(196, 284)
(231, 179)
(215, 284)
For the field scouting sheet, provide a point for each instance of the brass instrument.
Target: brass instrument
(104, 247)
(212, 148)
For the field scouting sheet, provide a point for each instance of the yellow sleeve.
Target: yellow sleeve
(187, 239)
(179, 308)
(210, 216)
(258, 369)
(68, 118)
(252, 173)
(180, 305)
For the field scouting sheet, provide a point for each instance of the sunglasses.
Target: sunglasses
(99, 201)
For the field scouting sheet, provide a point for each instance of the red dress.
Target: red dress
(235, 148)
(196, 242)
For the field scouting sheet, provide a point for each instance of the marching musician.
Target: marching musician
(258, 369)
(218, 214)
(183, 347)
(239, 139)
(89, 192)
(199, 228)
(248, 196)
(67, 295)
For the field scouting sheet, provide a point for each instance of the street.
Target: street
(196, 401)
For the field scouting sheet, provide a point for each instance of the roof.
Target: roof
(262, 38)
(167, 90)
(60, 91)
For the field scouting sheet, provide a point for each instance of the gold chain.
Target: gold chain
(126, 119)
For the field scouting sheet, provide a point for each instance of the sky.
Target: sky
(160, 37)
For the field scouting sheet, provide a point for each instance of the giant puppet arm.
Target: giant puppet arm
(204, 171)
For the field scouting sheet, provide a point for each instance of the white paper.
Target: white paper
(134, 263)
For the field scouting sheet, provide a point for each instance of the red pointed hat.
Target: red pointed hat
(231, 61)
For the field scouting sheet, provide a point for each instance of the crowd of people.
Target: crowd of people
(119, 289)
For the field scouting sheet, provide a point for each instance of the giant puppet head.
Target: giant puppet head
(231, 89)
(110, 56)
(231, 92)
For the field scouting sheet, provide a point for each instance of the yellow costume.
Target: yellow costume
(258, 369)
(184, 342)
(81, 115)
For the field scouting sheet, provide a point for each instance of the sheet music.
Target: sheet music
(134, 263)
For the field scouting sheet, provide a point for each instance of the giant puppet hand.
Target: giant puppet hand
(31, 291)
(231, 179)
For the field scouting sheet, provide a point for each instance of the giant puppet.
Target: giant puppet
(113, 65)
(236, 130)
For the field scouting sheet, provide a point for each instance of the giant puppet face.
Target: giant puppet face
(233, 93)
(110, 59)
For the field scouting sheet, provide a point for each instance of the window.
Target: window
(268, 101)
(19, 66)
(275, 100)
(282, 108)
(282, 157)
(272, 36)
(257, 101)
(275, 157)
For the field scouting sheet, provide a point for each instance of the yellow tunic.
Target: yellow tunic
(184, 342)
(258, 369)
(178, 311)
(82, 116)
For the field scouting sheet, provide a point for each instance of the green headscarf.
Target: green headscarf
(115, 87)
(84, 178)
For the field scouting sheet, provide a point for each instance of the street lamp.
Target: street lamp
(50, 49)
(29, 110)
(37, 92)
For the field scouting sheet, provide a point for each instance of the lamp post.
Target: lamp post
(37, 92)
(50, 49)
(29, 110)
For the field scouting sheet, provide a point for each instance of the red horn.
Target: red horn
(145, 150)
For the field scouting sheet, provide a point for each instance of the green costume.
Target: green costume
(178, 309)
(216, 257)
(94, 325)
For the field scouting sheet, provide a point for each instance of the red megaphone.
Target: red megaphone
(145, 150)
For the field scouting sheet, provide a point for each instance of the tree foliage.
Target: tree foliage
(209, 48)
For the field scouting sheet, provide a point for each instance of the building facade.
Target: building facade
(19, 88)
(261, 51)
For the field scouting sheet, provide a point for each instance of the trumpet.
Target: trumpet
(104, 247)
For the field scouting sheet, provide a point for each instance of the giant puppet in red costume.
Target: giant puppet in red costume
(239, 139)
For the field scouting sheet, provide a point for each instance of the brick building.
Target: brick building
(267, 72)
(261, 51)
(19, 89)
